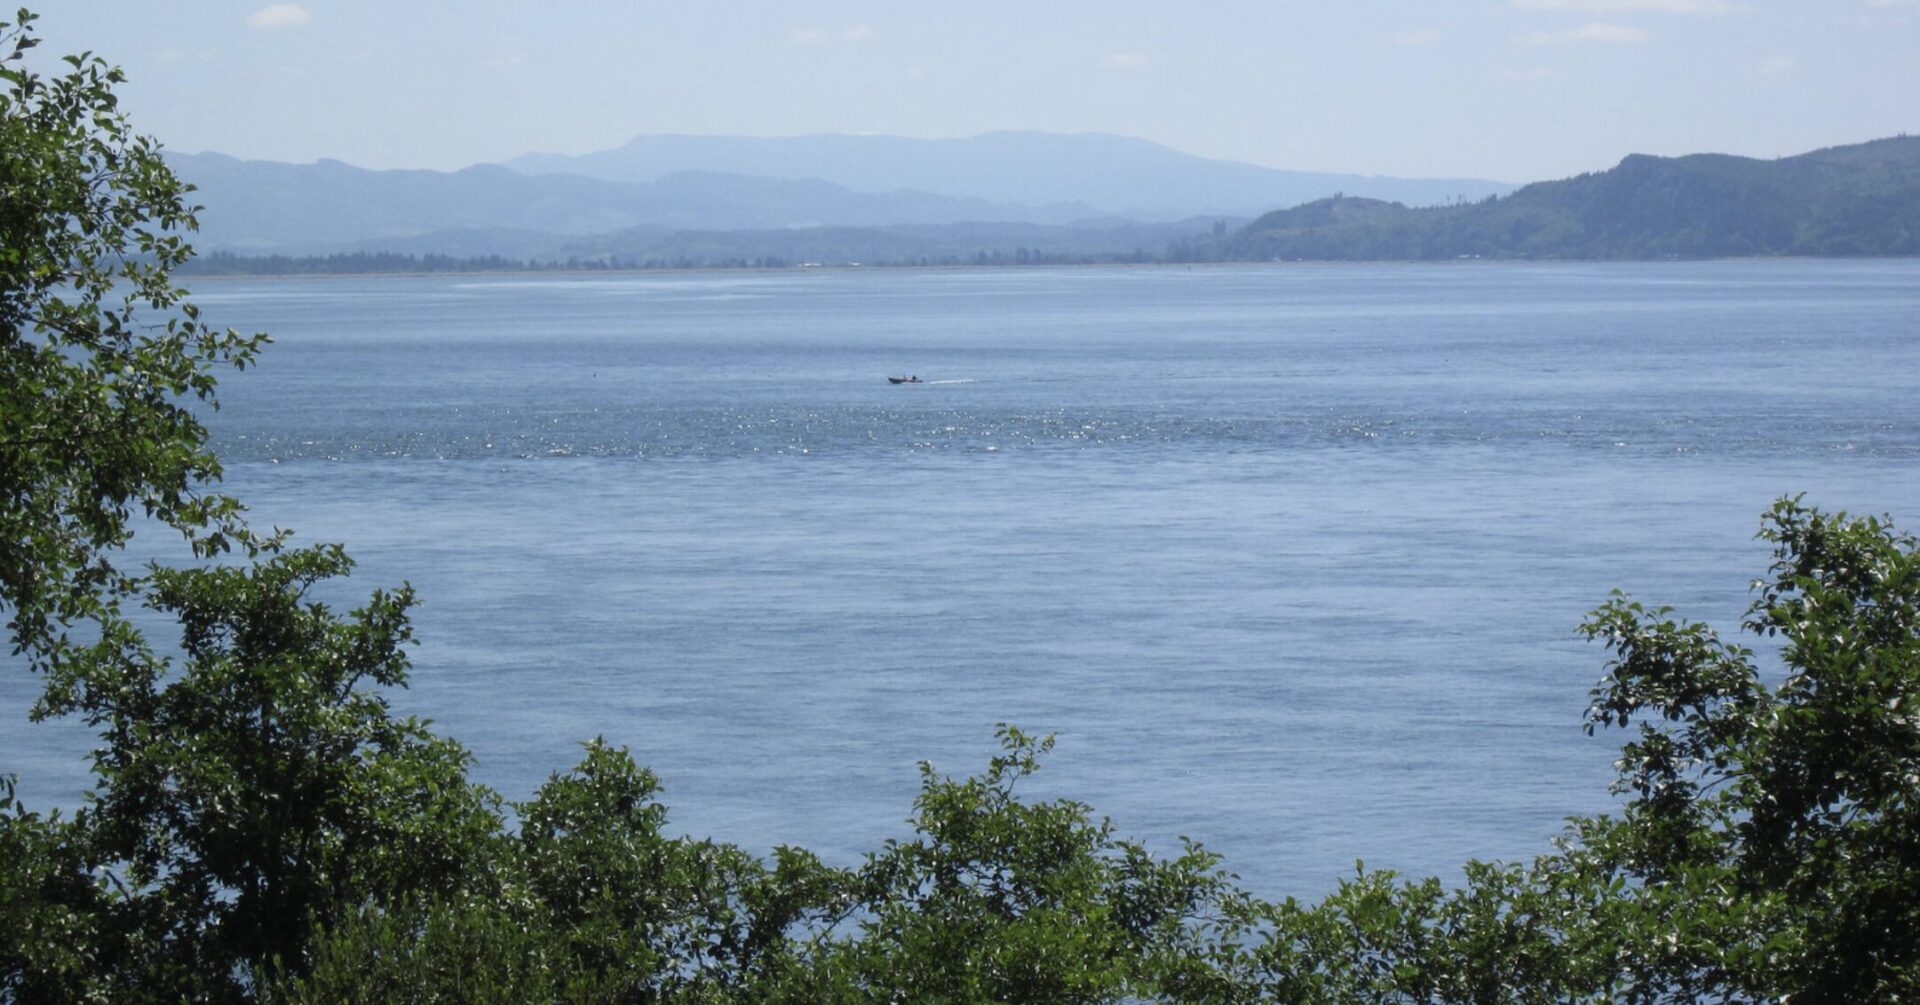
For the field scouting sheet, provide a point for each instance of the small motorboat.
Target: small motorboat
(915, 379)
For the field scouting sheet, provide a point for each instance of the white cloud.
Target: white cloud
(1426, 36)
(1778, 66)
(1125, 61)
(1525, 73)
(280, 15)
(1623, 6)
(1592, 31)
(857, 33)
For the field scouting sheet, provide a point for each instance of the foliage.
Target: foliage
(256, 790)
(49, 905)
(596, 904)
(1003, 900)
(102, 356)
(1773, 838)
(995, 900)
(1509, 933)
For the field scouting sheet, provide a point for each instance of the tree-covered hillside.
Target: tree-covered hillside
(1853, 200)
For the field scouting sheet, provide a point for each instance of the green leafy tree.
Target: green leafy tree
(50, 906)
(598, 905)
(997, 899)
(644, 916)
(1003, 900)
(1768, 848)
(102, 360)
(1772, 841)
(1504, 934)
(252, 790)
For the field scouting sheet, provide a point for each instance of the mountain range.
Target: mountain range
(1116, 174)
(537, 207)
(1028, 197)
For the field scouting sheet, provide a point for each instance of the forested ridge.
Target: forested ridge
(1854, 200)
(263, 827)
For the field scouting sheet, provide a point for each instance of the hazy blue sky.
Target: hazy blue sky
(1509, 89)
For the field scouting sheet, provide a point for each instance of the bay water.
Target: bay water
(1289, 557)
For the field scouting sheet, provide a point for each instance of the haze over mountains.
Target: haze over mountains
(1116, 174)
(539, 206)
(1031, 197)
(259, 206)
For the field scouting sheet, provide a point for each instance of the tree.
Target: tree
(102, 360)
(250, 794)
(255, 785)
(1768, 848)
(597, 904)
(1772, 841)
(998, 899)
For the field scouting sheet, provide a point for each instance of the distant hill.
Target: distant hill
(1116, 174)
(265, 207)
(1862, 199)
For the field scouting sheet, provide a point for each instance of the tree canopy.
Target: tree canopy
(104, 359)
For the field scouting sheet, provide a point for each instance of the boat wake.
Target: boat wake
(955, 381)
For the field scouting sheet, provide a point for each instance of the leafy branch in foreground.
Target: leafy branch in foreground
(246, 796)
(103, 357)
(1772, 839)
(1001, 899)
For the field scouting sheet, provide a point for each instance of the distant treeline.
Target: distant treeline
(225, 263)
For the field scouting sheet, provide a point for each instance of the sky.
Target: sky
(1512, 90)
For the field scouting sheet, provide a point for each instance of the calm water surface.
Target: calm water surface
(1290, 557)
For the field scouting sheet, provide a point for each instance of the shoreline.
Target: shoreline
(1025, 267)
